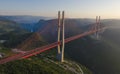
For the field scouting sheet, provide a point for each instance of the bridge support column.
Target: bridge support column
(59, 20)
(97, 27)
(63, 38)
(61, 48)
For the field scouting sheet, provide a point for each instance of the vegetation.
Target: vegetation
(12, 39)
(7, 26)
(6, 51)
(36, 66)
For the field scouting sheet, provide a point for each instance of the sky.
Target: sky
(72, 8)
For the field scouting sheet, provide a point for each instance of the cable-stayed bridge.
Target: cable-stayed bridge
(95, 29)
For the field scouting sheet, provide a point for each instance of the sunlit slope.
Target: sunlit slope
(72, 27)
(32, 42)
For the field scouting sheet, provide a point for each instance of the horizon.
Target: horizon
(73, 9)
(66, 18)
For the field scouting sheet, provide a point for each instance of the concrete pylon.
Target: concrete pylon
(97, 26)
(96, 19)
(61, 48)
(59, 24)
(63, 38)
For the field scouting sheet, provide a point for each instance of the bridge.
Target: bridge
(95, 29)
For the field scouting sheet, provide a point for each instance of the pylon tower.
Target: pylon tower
(61, 43)
(97, 26)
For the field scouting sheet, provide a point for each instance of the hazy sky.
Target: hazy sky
(73, 8)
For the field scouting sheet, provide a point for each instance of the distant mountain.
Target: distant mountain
(7, 26)
(26, 22)
(112, 23)
(25, 18)
(48, 29)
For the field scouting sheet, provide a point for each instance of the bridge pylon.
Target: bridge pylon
(97, 27)
(61, 27)
(59, 24)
